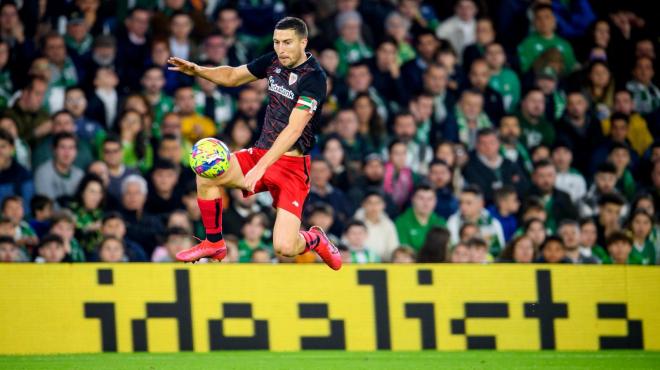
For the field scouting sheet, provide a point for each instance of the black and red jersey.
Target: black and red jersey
(302, 87)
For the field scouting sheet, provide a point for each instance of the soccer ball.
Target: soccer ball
(209, 157)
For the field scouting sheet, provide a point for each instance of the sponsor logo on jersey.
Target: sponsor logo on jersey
(278, 89)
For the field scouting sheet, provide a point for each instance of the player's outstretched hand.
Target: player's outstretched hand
(183, 66)
(253, 176)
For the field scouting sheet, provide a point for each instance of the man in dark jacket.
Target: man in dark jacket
(488, 169)
(557, 203)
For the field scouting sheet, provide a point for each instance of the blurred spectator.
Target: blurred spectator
(14, 178)
(418, 152)
(63, 71)
(164, 196)
(573, 17)
(212, 103)
(386, 73)
(460, 253)
(426, 44)
(505, 210)
(415, 222)
(63, 225)
(646, 94)
(236, 214)
(641, 228)
(252, 237)
(440, 178)
(502, 78)
(604, 183)
(6, 83)
(588, 238)
(557, 203)
(489, 170)
(194, 126)
(51, 250)
(399, 179)
(181, 45)
(104, 101)
(382, 236)
(619, 247)
(133, 46)
(111, 250)
(470, 118)
(58, 178)
(177, 239)
(333, 151)
(435, 248)
(22, 152)
(472, 210)
(350, 44)
(403, 254)
(75, 103)
(569, 231)
(511, 147)
(23, 234)
(543, 38)
(87, 207)
(360, 80)
(519, 250)
(478, 251)
(536, 129)
(113, 225)
(599, 88)
(608, 218)
(398, 27)
(111, 154)
(479, 78)
(62, 123)
(485, 35)
(638, 133)
(30, 117)
(102, 55)
(460, 29)
(569, 179)
(322, 191)
(9, 251)
(141, 226)
(136, 151)
(355, 237)
(42, 212)
(553, 251)
(241, 46)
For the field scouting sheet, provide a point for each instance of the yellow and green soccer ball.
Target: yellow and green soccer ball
(209, 158)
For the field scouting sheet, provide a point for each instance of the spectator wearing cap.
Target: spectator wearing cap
(569, 179)
(472, 211)
(580, 129)
(489, 170)
(58, 178)
(646, 94)
(546, 80)
(557, 203)
(502, 78)
(543, 39)
(14, 178)
(536, 129)
(415, 222)
(350, 44)
(142, 226)
(440, 178)
(479, 76)
(638, 135)
(77, 38)
(460, 29)
(382, 236)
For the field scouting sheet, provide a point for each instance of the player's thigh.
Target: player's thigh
(232, 178)
(285, 232)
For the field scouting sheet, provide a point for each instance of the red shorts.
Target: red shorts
(287, 179)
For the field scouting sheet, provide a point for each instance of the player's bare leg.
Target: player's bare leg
(289, 241)
(210, 204)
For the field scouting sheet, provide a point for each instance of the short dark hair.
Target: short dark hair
(539, 7)
(112, 138)
(619, 116)
(485, 132)
(422, 187)
(504, 192)
(542, 163)
(11, 198)
(63, 136)
(6, 136)
(39, 202)
(114, 215)
(355, 223)
(618, 236)
(606, 167)
(612, 198)
(473, 189)
(293, 23)
(163, 164)
(8, 240)
(549, 239)
(51, 238)
(477, 242)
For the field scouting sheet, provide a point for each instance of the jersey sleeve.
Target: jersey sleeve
(312, 92)
(258, 66)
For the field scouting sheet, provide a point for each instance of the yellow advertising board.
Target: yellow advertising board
(76, 308)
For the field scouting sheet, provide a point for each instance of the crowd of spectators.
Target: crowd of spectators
(454, 131)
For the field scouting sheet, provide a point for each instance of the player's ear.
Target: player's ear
(304, 41)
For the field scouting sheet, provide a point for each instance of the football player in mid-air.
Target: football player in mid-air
(279, 161)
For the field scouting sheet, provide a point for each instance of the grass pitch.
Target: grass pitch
(330, 360)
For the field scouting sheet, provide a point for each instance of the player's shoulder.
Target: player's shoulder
(312, 71)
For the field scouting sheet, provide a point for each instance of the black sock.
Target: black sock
(214, 238)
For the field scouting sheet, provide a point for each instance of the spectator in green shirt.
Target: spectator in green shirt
(415, 222)
(253, 232)
(619, 248)
(543, 39)
(641, 227)
(535, 127)
(350, 45)
(502, 78)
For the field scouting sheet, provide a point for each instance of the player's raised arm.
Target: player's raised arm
(222, 75)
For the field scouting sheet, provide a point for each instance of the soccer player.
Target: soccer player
(279, 161)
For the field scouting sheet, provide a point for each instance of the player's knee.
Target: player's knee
(284, 246)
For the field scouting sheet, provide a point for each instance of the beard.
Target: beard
(103, 61)
(509, 139)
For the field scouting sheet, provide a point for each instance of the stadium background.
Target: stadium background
(93, 167)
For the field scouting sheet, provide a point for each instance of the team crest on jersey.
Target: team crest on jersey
(293, 78)
(278, 70)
